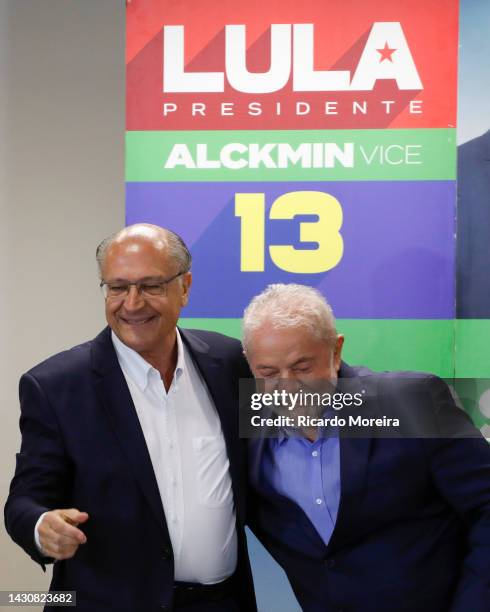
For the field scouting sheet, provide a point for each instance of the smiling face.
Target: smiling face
(145, 324)
(293, 354)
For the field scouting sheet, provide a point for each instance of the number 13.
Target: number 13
(250, 207)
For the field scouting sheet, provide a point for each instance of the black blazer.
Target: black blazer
(472, 252)
(413, 525)
(83, 446)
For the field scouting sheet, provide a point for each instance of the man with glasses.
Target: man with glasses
(130, 470)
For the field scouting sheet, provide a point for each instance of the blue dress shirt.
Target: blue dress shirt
(308, 473)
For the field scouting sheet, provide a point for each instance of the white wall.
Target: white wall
(61, 192)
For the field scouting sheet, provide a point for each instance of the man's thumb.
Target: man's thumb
(74, 516)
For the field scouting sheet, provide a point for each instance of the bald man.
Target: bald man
(130, 469)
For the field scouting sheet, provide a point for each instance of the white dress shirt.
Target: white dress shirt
(187, 449)
(183, 434)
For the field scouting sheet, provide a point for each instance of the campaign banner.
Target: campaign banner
(369, 246)
(299, 155)
(308, 142)
(315, 64)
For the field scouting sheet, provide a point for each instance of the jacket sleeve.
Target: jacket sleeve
(43, 470)
(460, 466)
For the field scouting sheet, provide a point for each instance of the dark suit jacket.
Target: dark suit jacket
(83, 447)
(413, 527)
(473, 229)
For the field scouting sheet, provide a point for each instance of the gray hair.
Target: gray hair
(177, 248)
(289, 306)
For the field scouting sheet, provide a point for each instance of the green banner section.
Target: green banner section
(380, 344)
(292, 155)
(472, 348)
(419, 345)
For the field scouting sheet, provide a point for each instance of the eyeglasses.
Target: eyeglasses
(148, 287)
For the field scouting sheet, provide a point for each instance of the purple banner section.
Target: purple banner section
(397, 263)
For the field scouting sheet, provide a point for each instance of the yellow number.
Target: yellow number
(250, 207)
(325, 232)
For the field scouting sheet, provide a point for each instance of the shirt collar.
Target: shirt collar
(282, 436)
(180, 366)
(137, 368)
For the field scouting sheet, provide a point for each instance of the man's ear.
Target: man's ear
(186, 286)
(337, 351)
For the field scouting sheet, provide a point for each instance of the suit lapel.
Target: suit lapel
(213, 371)
(114, 396)
(354, 455)
(211, 368)
(354, 458)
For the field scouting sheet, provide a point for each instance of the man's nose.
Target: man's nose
(289, 381)
(133, 300)
(287, 374)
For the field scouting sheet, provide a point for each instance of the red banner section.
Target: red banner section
(211, 65)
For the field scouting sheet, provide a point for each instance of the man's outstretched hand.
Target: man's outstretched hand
(58, 533)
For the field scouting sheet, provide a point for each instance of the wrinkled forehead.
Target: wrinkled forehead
(281, 341)
(138, 256)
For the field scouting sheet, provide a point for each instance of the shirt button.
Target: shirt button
(315, 453)
(330, 563)
(318, 501)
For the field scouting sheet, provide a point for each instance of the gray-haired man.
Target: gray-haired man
(365, 524)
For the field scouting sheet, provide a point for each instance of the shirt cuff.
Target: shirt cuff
(36, 534)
